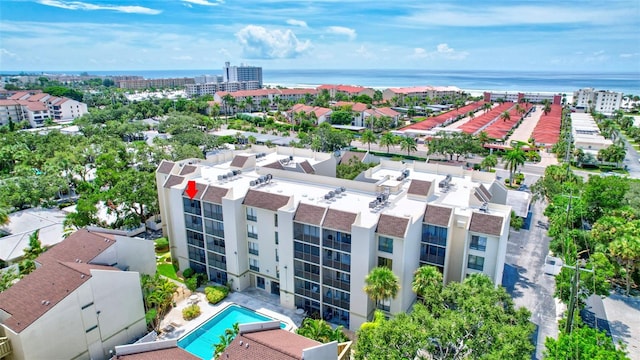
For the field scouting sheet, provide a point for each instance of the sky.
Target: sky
(544, 35)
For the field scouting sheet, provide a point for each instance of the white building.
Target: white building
(422, 93)
(602, 101)
(83, 299)
(241, 73)
(279, 220)
(36, 107)
(586, 134)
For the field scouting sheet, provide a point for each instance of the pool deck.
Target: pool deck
(254, 299)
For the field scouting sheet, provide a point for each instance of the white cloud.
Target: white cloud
(5, 52)
(442, 51)
(261, 43)
(205, 2)
(78, 5)
(364, 52)
(626, 55)
(183, 58)
(341, 30)
(294, 22)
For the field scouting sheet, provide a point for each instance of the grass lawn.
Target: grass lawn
(168, 271)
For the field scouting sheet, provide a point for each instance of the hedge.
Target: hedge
(191, 312)
(215, 294)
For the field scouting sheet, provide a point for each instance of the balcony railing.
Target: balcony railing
(336, 265)
(434, 259)
(306, 256)
(307, 275)
(338, 284)
(5, 347)
(338, 245)
(343, 304)
(252, 235)
(254, 252)
(308, 293)
(254, 268)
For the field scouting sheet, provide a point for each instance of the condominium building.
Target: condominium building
(139, 83)
(509, 96)
(586, 134)
(83, 299)
(36, 107)
(278, 219)
(602, 101)
(241, 73)
(421, 93)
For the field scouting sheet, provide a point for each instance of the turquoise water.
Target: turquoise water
(201, 341)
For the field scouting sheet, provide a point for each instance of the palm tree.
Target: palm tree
(388, 139)
(546, 109)
(486, 107)
(427, 280)
(381, 284)
(228, 99)
(264, 104)
(483, 138)
(408, 143)
(489, 162)
(520, 110)
(368, 137)
(513, 159)
(320, 330)
(471, 115)
(505, 116)
(626, 250)
(4, 217)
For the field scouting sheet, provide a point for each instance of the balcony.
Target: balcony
(306, 257)
(308, 293)
(336, 265)
(5, 347)
(343, 304)
(338, 245)
(307, 275)
(433, 259)
(338, 284)
(252, 235)
(254, 252)
(254, 268)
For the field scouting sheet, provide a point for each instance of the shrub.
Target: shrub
(188, 272)
(191, 312)
(201, 278)
(192, 283)
(215, 294)
(162, 245)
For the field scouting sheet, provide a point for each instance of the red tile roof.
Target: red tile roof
(547, 131)
(449, 116)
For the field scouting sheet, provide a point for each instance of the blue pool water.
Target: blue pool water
(201, 341)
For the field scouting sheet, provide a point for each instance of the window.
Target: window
(306, 233)
(306, 252)
(252, 214)
(194, 238)
(475, 262)
(254, 264)
(191, 206)
(260, 282)
(252, 231)
(432, 254)
(213, 211)
(196, 254)
(253, 248)
(388, 263)
(478, 243)
(276, 237)
(215, 244)
(217, 260)
(275, 220)
(434, 235)
(277, 257)
(385, 244)
(193, 222)
(215, 228)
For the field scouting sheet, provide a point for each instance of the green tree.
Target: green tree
(225, 340)
(427, 281)
(409, 144)
(489, 162)
(505, 116)
(320, 330)
(388, 139)
(465, 324)
(583, 343)
(512, 160)
(381, 284)
(4, 216)
(626, 250)
(368, 137)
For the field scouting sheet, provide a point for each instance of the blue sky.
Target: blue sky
(582, 36)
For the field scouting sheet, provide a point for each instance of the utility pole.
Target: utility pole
(574, 291)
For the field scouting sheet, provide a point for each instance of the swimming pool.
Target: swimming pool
(201, 341)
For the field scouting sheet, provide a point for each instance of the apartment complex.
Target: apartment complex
(586, 134)
(274, 96)
(36, 107)
(83, 299)
(516, 97)
(277, 219)
(602, 101)
(140, 83)
(421, 93)
(348, 90)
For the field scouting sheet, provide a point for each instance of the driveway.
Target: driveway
(526, 282)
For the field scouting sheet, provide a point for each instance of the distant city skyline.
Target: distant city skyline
(60, 35)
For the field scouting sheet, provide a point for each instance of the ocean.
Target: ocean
(556, 82)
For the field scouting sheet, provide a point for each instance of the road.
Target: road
(525, 280)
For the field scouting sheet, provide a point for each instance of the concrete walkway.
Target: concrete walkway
(524, 131)
(173, 326)
(623, 314)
